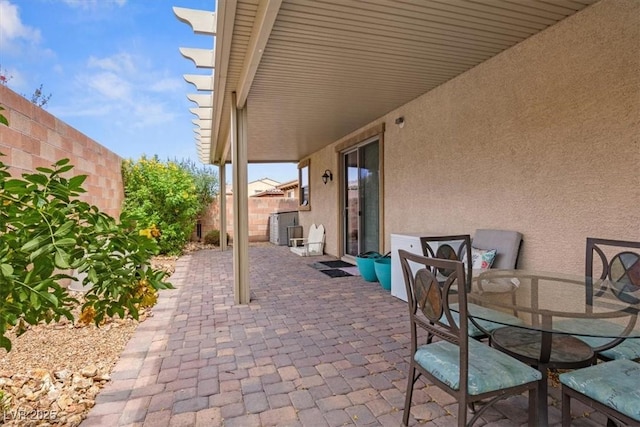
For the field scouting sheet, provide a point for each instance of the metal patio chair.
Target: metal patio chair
(608, 387)
(461, 366)
(614, 265)
(505, 245)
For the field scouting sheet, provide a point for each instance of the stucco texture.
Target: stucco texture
(543, 139)
(324, 205)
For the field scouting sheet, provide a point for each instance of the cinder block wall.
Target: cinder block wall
(260, 208)
(36, 138)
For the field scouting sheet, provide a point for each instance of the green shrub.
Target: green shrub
(213, 238)
(48, 233)
(205, 180)
(168, 196)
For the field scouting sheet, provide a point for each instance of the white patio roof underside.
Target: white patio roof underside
(312, 71)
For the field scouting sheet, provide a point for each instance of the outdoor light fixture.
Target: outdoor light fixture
(327, 176)
(400, 121)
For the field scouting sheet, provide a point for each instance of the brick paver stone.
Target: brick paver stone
(308, 351)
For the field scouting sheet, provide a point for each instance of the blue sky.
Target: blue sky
(114, 71)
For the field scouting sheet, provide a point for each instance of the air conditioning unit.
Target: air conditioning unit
(278, 227)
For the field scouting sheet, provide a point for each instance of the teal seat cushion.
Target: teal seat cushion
(472, 330)
(614, 384)
(489, 369)
(628, 349)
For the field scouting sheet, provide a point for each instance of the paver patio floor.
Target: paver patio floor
(308, 350)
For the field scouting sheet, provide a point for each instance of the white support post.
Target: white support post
(222, 175)
(241, 286)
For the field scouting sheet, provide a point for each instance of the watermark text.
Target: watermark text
(29, 414)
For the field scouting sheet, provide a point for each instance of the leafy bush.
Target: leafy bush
(47, 234)
(205, 180)
(213, 238)
(166, 195)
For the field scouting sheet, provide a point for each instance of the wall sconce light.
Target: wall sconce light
(327, 176)
(400, 121)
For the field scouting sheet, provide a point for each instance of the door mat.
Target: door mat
(318, 266)
(334, 269)
(336, 264)
(353, 270)
(335, 272)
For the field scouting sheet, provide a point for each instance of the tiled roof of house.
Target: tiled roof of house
(269, 193)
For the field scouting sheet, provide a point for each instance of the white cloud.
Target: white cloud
(151, 114)
(167, 85)
(126, 88)
(12, 28)
(93, 4)
(86, 111)
(119, 63)
(109, 85)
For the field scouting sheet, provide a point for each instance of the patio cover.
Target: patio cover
(290, 77)
(311, 71)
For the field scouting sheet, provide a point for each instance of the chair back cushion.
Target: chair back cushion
(505, 242)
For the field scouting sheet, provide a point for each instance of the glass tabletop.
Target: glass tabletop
(555, 302)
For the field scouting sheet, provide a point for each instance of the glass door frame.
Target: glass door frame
(343, 217)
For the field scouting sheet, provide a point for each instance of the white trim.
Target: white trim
(227, 13)
(202, 124)
(201, 21)
(203, 58)
(203, 113)
(203, 100)
(200, 81)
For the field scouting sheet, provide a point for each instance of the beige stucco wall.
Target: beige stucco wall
(543, 138)
(324, 198)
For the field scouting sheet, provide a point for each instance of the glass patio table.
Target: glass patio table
(547, 314)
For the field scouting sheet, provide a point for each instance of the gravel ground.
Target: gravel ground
(54, 372)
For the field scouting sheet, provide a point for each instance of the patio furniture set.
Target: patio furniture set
(521, 323)
(509, 327)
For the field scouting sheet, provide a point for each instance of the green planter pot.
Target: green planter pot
(365, 265)
(382, 267)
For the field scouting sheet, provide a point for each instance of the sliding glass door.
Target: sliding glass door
(361, 199)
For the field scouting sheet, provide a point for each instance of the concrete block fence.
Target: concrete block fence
(35, 138)
(260, 208)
